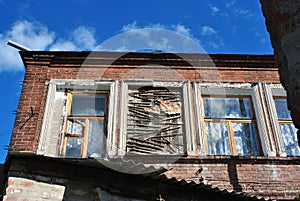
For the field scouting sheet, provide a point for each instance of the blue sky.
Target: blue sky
(218, 26)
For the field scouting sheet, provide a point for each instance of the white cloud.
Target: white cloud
(207, 31)
(32, 35)
(129, 27)
(63, 46)
(214, 9)
(178, 28)
(243, 13)
(36, 36)
(170, 38)
(215, 45)
(263, 39)
(84, 37)
(212, 38)
(230, 3)
(181, 29)
(236, 11)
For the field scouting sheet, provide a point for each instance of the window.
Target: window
(287, 129)
(230, 126)
(281, 122)
(154, 121)
(155, 118)
(86, 121)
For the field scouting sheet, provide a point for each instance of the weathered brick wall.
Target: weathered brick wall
(257, 178)
(283, 24)
(273, 179)
(19, 188)
(39, 69)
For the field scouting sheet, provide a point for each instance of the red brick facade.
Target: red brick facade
(270, 177)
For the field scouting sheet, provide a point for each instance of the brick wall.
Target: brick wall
(259, 176)
(270, 178)
(43, 66)
(19, 188)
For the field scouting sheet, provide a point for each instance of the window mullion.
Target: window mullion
(231, 137)
(85, 138)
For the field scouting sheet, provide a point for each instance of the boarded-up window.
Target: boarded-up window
(154, 121)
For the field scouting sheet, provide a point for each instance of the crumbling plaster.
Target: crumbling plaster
(283, 24)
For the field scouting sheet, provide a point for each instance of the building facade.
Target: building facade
(216, 122)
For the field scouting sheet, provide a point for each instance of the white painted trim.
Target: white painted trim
(199, 116)
(191, 141)
(89, 85)
(46, 124)
(111, 119)
(263, 121)
(123, 118)
(273, 116)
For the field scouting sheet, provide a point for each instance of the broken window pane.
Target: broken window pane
(245, 139)
(237, 107)
(75, 126)
(73, 147)
(95, 139)
(218, 139)
(88, 106)
(290, 140)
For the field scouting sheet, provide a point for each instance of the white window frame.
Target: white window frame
(272, 90)
(235, 89)
(58, 85)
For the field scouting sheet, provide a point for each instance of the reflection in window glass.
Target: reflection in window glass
(281, 108)
(288, 130)
(230, 126)
(95, 139)
(88, 106)
(237, 107)
(245, 139)
(76, 126)
(73, 147)
(290, 139)
(217, 138)
(84, 135)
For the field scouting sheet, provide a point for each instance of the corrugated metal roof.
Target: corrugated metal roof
(158, 174)
(121, 166)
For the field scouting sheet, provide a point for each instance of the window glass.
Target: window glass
(88, 106)
(218, 139)
(245, 139)
(281, 108)
(287, 129)
(290, 139)
(236, 107)
(95, 139)
(230, 126)
(76, 126)
(85, 126)
(73, 147)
